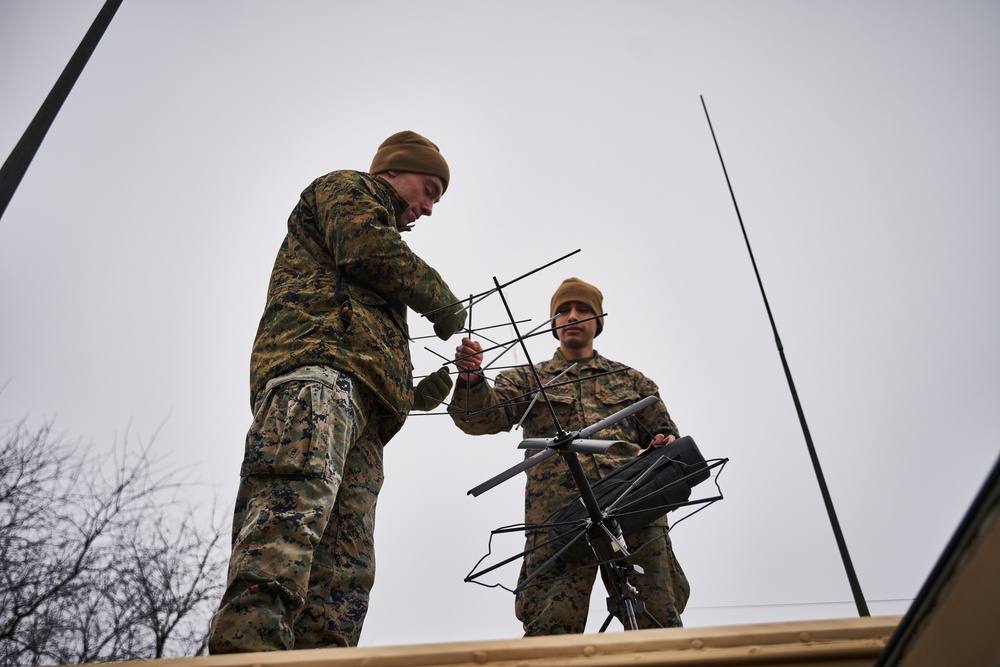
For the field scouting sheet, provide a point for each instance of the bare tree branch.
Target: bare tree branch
(99, 557)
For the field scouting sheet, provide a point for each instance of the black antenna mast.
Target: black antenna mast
(17, 163)
(859, 598)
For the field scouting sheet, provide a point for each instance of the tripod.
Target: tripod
(608, 543)
(624, 602)
(603, 526)
(623, 502)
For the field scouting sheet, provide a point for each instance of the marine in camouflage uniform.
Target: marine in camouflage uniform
(592, 390)
(330, 381)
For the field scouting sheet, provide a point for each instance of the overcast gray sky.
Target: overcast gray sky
(862, 142)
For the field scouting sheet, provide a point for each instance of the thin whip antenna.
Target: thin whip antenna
(20, 158)
(859, 598)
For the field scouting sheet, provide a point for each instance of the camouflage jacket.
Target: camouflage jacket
(482, 409)
(339, 291)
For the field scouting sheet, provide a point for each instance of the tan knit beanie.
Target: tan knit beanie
(408, 151)
(574, 289)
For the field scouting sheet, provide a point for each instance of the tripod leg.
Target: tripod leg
(607, 621)
(622, 599)
(633, 624)
(652, 619)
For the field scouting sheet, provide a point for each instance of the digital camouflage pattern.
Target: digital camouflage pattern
(560, 602)
(577, 404)
(330, 384)
(339, 290)
(303, 559)
(561, 606)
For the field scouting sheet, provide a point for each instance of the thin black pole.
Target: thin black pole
(14, 168)
(859, 598)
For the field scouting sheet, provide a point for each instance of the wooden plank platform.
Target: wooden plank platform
(852, 642)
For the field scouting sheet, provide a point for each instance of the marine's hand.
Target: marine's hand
(432, 390)
(450, 324)
(659, 440)
(469, 359)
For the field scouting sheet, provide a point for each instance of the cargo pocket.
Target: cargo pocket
(616, 393)
(613, 397)
(283, 439)
(539, 419)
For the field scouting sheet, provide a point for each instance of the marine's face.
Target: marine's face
(578, 334)
(421, 192)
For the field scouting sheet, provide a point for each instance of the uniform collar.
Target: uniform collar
(596, 362)
(399, 205)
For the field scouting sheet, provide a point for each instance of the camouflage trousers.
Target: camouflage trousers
(303, 560)
(557, 602)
